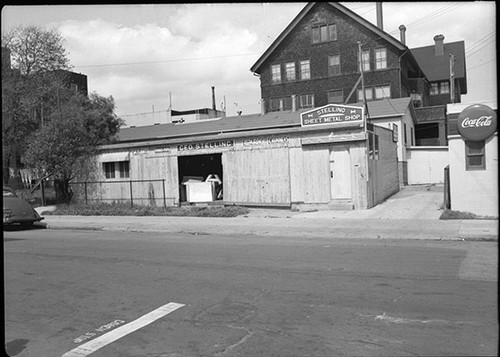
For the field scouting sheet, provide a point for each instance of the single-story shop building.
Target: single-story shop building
(322, 158)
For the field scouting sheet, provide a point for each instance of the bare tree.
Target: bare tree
(35, 50)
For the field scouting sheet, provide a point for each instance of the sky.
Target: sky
(152, 55)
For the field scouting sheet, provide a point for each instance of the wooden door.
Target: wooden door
(340, 173)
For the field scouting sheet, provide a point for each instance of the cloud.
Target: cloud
(143, 60)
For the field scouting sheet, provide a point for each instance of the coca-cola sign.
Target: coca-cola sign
(477, 122)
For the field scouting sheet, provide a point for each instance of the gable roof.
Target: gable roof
(382, 34)
(437, 68)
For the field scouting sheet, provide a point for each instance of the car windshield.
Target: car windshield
(7, 193)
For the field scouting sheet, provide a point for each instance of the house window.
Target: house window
(123, 167)
(474, 155)
(306, 101)
(434, 88)
(405, 135)
(275, 104)
(290, 71)
(287, 103)
(416, 99)
(380, 58)
(444, 87)
(109, 169)
(276, 73)
(382, 92)
(368, 94)
(336, 96)
(334, 65)
(324, 33)
(365, 60)
(305, 69)
(332, 32)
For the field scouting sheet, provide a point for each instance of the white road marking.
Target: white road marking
(106, 339)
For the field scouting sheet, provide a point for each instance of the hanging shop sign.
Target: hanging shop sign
(477, 122)
(206, 145)
(333, 114)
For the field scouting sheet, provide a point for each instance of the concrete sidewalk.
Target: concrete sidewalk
(288, 227)
(412, 213)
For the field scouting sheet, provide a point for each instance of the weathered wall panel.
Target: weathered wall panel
(384, 176)
(257, 176)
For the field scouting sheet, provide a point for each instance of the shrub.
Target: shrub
(449, 214)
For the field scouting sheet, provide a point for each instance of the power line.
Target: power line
(480, 65)
(165, 61)
(479, 49)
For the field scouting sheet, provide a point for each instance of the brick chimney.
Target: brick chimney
(402, 34)
(380, 21)
(439, 45)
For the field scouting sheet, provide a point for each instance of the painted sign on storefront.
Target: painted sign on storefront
(267, 141)
(333, 114)
(477, 122)
(206, 145)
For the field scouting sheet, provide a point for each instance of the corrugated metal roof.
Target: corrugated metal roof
(377, 109)
(201, 127)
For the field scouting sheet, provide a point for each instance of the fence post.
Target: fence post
(447, 184)
(131, 198)
(86, 198)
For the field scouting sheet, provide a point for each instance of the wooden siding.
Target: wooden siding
(384, 176)
(310, 174)
(152, 165)
(257, 176)
(359, 174)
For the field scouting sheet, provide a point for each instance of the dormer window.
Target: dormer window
(323, 33)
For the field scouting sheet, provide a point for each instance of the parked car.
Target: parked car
(17, 210)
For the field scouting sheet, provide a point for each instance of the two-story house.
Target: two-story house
(329, 54)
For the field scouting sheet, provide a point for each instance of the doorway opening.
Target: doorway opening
(200, 178)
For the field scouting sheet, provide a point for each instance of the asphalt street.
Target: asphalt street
(86, 292)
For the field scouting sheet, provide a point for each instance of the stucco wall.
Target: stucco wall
(474, 191)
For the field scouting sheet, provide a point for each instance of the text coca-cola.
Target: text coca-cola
(478, 122)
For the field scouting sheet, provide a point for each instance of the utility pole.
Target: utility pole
(452, 78)
(360, 54)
